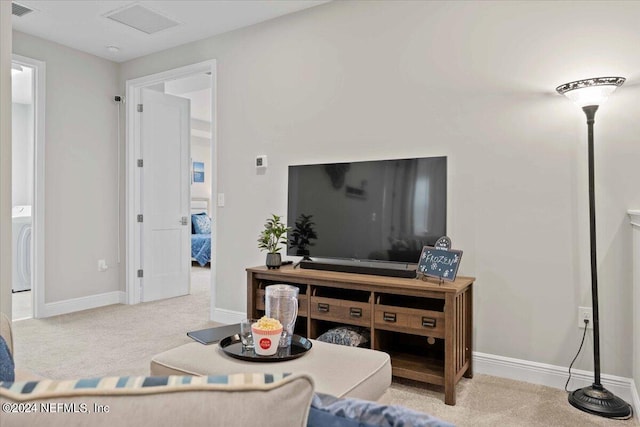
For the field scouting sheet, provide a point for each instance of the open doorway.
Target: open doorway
(196, 85)
(27, 193)
(197, 89)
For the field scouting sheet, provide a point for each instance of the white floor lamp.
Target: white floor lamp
(595, 399)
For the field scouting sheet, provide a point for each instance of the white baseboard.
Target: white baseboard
(227, 316)
(635, 399)
(83, 303)
(549, 375)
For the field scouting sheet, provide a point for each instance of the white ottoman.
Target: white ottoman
(337, 370)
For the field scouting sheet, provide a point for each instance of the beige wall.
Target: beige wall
(473, 81)
(635, 221)
(80, 169)
(5, 157)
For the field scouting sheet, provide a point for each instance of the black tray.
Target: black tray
(233, 347)
(213, 335)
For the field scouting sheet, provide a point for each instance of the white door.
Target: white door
(165, 191)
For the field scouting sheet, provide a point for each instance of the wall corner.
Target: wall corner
(5, 157)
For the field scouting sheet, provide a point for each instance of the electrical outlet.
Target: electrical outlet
(585, 313)
(102, 265)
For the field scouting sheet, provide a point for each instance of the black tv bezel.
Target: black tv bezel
(363, 265)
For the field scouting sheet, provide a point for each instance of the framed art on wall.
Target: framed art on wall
(198, 171)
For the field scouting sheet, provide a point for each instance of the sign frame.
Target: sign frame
(437, 268)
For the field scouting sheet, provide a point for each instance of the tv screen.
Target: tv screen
(384, 210)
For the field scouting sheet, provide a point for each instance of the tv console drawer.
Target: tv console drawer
(302, 302)
(409, 320)
(343, 311)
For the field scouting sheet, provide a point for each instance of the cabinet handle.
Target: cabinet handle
(428, 322)
(355, 312)
(389, 317)
(323, 308)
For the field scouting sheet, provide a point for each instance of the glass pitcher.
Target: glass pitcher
(281, 302)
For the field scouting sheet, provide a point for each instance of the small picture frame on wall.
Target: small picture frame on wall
(198, 171)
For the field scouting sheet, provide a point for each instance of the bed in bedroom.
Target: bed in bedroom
(200, 231)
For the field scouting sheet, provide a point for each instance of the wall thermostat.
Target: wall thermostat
(261, 161)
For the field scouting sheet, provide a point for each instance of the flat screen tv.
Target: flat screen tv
(381, 211)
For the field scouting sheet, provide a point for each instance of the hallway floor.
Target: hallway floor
(22, 304)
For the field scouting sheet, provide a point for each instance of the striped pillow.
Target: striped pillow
(28, 390)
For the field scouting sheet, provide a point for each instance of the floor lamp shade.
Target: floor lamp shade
(595, 399)
(593, 91)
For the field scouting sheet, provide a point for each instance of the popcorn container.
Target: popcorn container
(265, 342)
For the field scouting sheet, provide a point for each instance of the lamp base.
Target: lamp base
(599, 401)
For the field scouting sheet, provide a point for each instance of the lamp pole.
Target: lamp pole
(595, 399)
(590, 111)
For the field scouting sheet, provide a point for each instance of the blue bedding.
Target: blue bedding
(201, 248)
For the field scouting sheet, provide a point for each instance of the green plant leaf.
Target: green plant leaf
(273, 235)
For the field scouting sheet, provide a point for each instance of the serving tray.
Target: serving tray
(232, 346)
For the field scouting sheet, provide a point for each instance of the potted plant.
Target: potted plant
(302, 235)
(273, 235)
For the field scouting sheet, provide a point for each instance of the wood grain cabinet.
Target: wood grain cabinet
(426, 327)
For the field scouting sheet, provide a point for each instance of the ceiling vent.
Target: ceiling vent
(142, 19)
(19, 10)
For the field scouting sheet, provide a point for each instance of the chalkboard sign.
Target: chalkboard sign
(440, 263)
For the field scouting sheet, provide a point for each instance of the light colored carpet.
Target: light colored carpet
(113, 340)
(121, 339)
(487, 401)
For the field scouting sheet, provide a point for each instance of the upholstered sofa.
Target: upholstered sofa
(233, 400)
(278, 400)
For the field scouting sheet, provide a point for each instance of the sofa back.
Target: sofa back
(231, 400)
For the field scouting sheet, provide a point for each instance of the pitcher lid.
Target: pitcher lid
(282, 290)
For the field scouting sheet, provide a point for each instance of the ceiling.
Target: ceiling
(82, 25)
(197, 89)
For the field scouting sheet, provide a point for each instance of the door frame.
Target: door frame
(132, 187)
(38, 288)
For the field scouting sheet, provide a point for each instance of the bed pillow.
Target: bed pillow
(346, 335)
(201, 224)
(7, 367)
(193, 221)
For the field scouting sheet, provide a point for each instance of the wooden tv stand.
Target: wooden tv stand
(425, 327)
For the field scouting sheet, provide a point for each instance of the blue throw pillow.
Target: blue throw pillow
(322, 418)
(201, 224)
(330, 411)
(7, 367)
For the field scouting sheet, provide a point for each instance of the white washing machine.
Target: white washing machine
(21, 248)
